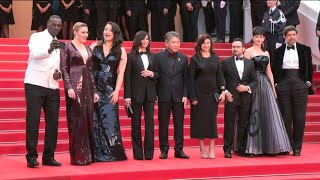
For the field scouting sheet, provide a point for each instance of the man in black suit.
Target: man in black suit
(220, 15)
(107, 10)
(172, 93)
(191, 14)
(240, 76)
(137, 12)
(140, 91)
(292, 72)
(159, 18)
(258, 8)
(236, 20)
(290, 11)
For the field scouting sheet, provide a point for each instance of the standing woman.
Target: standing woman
(41, 11)
(140, 91)
(6, 17)
(109, 60)
(266, 131)
(205, 81)
(76, 67)
(70, 12)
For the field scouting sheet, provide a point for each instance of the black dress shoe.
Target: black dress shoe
(148, 158)
(163, 155)
(227, 155)
(138, 158)
(296, 153)
(32, 163)
(181, 155)
(284, 153)
(50, 162)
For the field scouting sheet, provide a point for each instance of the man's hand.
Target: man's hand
(127, 102)
(185, 101)
(242, 88)
(56, 75)
(87, 11)
(194, 103)
(229, 97)
(189, 7)
(147, 73)
(165, 11)
(53, 45)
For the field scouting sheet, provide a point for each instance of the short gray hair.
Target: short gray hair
(170, 35)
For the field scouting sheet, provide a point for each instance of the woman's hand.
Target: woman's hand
(95, 97)
(194, 103)
(222, 96)
(71, 94)
(114, 97)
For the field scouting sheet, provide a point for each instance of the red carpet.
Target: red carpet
(14, 167)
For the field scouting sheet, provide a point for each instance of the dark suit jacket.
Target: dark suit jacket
(232, 79)
(107, 3)
(305, 61)
(135, 6)
(171, 84)
(137, 87)
(289, 9)
(155, 5)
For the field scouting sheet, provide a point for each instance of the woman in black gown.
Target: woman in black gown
(41, 11)
(6, 17)
(266, 132)
(109, 60)
(76, 67)
(205, 80)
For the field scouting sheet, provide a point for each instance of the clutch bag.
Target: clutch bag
(129, 111)
(217, 97)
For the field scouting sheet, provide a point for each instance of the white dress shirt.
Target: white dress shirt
(240, 66)
(41, 64)
(290, 58)
(145, 61)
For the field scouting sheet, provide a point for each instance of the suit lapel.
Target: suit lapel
(282, 51)
(140, 63)
(300, 55)
(150, 61)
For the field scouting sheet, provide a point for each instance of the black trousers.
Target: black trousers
(232, 111)
(220, 20)
(191, 20)
(148, 108)
(209, 18)
(178, 120)
(105, 15)
(293, 97)
(136, 22)
(159, 25)
(236, 20)
(257, 11)
(37, 98)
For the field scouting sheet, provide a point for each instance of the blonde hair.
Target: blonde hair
(79, 25)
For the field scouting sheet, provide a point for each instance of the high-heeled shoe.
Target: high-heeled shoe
(203, 154)
(211, 154)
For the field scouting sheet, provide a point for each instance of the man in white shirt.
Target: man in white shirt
(240, 76)
(292, 72)
(42, 91)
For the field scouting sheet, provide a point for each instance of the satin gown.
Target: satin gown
(107, 137)
(78, 76)
(266, 132)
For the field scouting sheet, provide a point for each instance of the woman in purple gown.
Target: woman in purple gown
(76, 67)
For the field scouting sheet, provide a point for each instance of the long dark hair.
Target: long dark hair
(117, 39)
(137, 42)
(258, 30)
(200, 41)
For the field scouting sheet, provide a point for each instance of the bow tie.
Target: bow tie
(143, 52)
(240, 58)
(290, 47)
(172, 55)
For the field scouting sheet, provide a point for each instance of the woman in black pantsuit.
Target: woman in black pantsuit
(205, 80)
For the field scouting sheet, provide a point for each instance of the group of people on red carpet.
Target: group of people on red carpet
(249, 83)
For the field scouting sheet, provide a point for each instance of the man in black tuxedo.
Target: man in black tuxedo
(107, 10)
(240, 76)
(172, 93)
(292, 72)
(159, 18)
(258, 8)
(290, 11)
(137, 12)
(140, 91)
